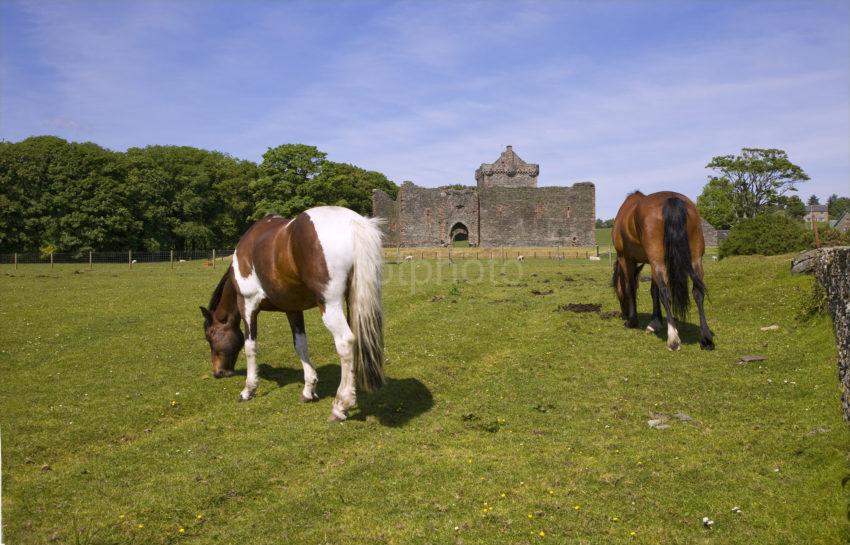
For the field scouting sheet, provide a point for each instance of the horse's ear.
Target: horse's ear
(206, 314)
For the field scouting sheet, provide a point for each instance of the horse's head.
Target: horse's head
(226, 340)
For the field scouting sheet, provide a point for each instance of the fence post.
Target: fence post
(51, 261)
(213, 258)
(90, 265)
(16, 261)
(398, 254)
(171, 259)
(130, 258)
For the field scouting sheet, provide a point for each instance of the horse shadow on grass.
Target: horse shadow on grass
(688, 333)
(394, 404)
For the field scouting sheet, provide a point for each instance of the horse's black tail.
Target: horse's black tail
(677, 255)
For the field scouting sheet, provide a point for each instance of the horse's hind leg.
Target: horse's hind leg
(706, 341)
(655, 321)
(659, 275)
(299, 339)
(346, 396)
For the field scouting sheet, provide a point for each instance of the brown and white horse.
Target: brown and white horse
(322, 258)
(663, 229)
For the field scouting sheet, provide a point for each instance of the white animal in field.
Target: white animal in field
(594, 258)
(520, 258)
(408, 258)
(134, 261)
(182, 261)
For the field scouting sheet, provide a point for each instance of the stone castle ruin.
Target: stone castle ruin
(505, 208)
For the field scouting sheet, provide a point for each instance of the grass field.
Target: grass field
(504, 419)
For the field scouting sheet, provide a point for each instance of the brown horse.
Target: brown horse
(325, 257)
(664, 230)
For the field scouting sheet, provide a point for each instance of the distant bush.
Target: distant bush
(767, 234)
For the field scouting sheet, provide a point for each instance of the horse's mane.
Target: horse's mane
(216, 296)
(635, 192)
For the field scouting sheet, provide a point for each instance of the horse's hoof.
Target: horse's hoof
(706, 345)
(242, 397)
(334, 419)
(674, 347)
(305, 399)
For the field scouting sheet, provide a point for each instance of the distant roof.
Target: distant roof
(816, 208)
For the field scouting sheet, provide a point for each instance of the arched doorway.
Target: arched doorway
(459, 235)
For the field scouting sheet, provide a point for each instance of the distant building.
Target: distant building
(816, 212)
(712, 236)
(504, 208)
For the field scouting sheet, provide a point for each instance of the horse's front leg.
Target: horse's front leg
(346, 395)
(251, 379)
(299, 339)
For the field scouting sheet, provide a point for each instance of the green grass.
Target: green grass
(603, 237)
(503, 418)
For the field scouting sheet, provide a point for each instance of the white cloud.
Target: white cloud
(608, 92)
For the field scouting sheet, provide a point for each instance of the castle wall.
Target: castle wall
(503, 179)
(427, 215)
(545, 216)
(383, 206)
(709, 233)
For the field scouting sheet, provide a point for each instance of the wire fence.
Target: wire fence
(209, 258)
(130, 257)
(392, 255)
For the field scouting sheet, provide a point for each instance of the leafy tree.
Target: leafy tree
(602, 224)
(813, 199)
(717, 203)
(758, 178)
(342, 184)
(295, 177)
(188, 198)
(283, 170)
(837, 206)
(793, 206)
(64, 196)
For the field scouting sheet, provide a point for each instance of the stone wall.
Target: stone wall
(545, 216)
(427, 215)
(383, 206)
(832, 270)
(709, 233)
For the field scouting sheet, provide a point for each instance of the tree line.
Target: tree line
(65, 196)
(755, 182)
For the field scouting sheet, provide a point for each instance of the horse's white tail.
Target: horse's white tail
(365, 303)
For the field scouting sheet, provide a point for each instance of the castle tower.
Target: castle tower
(508, 171)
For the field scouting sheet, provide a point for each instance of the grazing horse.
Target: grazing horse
(664, 230)
(325, 257)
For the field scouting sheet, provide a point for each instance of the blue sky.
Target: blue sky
(626, 94)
